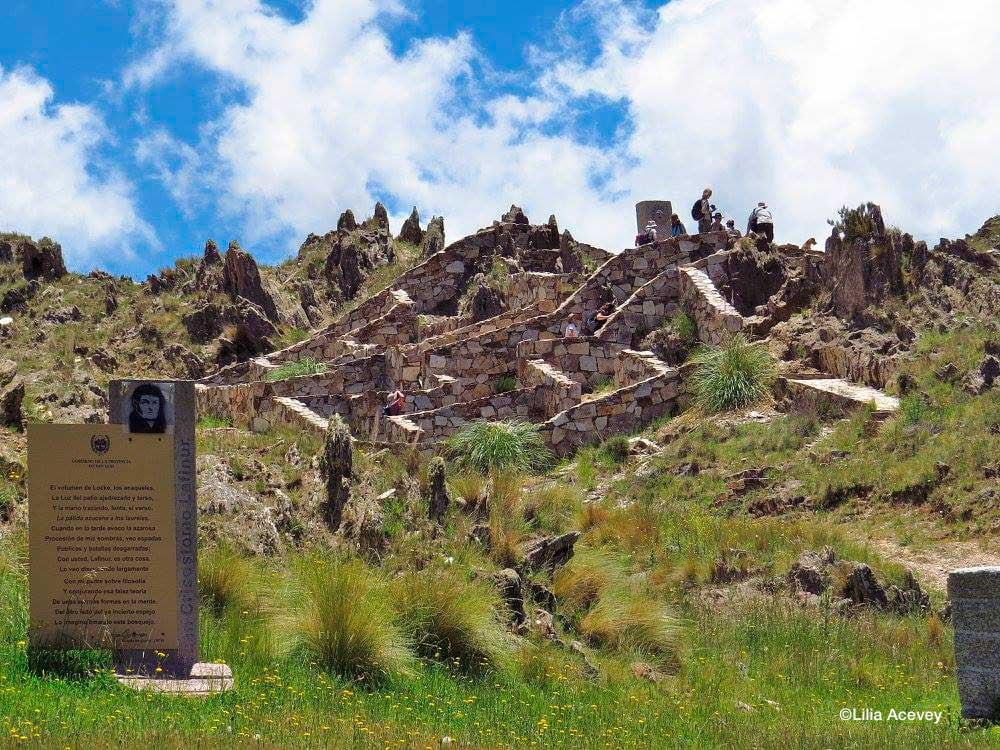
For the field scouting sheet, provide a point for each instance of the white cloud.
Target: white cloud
(808, 104)
(51, 180)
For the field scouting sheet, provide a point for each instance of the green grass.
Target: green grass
(211, 421)
(296, 369)
(735, 375)
(498, 446)
(506, 384)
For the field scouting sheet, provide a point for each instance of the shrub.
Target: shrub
(295, 370)
(627, 618)
(684, 326)
(912, 409)
(735, 375)
(452, 618)
(211, 422)
(226, 580)
(469, 486)
(491, 447)
(343, 620)
(506, 384)
(615, 449)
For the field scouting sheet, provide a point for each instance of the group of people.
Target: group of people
(760, 224)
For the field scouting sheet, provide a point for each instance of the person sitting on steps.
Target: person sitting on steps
(396, 404)
(571, 332)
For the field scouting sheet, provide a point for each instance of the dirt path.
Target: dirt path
(931, 566)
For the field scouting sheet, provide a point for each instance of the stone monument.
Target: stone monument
(974, 594)
(657, 211)
(132, 406)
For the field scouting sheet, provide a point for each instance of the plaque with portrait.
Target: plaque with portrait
(148, 407)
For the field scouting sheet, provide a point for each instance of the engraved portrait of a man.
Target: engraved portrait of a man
(148, 410)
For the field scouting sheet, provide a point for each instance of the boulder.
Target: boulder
(11, 396)
(486, 302)
(241, 278)
(508, 581)
(411, 231)
(550, 552)
(184, 363)
(983, 377)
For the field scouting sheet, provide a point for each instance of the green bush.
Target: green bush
(735, 375)
(295, 370)
(453, 619)
(615, 449)
(342, 618)
(684, 326)
(506, 384)
(490, 447)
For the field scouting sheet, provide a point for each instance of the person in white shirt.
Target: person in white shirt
(763, 221)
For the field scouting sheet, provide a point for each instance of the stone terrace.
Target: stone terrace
(516, 364)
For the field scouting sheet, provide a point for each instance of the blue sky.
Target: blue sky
(138, 130)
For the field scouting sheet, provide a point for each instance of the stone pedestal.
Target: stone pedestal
(205, 680)
(974, 594)
(658, 211)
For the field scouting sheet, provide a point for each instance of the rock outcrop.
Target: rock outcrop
(433, 239)
(411, 231)
(241, 278)
(11, 396)
(337, 470)
(438, 500)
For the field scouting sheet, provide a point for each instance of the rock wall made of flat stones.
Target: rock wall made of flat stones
(646, 310)
(358, 376)
(974, 594)
(586, 360)
(238, 403)
(542, 290)
(435, 327)
(499, 322)
(715, 318)
(241, 372)
(440, 424)
(290, 411)
(620, 411)
(635, 367)
(557, 391)
(396, 328)
(853, 363)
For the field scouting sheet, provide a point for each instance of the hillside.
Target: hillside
(698, 569)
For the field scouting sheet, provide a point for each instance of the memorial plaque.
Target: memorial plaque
(103, 563)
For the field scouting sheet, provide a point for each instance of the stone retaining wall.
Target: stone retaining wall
(439, 424)
(715, 318)
(586, 360)
(558, 391)
(621, 411)
(358, 376)
(634, 367)
(653, 303)
(543, 291)
(239, 403)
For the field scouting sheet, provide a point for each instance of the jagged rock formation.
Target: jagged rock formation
(11, 396)
(411, 231)
(337, 469)
(433, 239)
(438, 500)
(241, 278)
(39, 260)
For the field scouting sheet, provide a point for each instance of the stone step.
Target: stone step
(842, 392)
(297, 414)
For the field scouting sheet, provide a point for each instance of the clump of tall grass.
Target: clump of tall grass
(506, 517)
(615, 449)
(305, 366)
(590, 571)
(469, 486)
(342, 618)
(452, 618)
(735, 375)
(627, 618)
(227, 580)
(491, 447)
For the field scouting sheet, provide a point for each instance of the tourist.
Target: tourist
(764, 221)
(731, 230)
(396, 404)
(606, 311)
(572, 332)
(676, 227)
(716, 223)
(701, 211)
